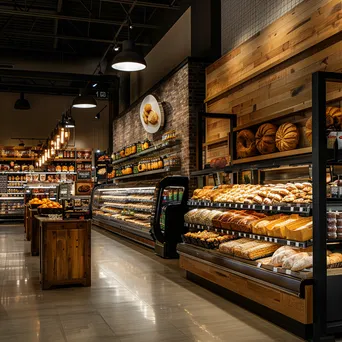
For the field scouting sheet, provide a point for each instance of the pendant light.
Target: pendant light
(40, 161)
(84, 101)
(62, 135)
(129, 59)
(58, 142)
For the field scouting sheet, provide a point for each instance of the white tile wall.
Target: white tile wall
(241, 19)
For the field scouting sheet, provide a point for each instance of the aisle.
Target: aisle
(135, 297)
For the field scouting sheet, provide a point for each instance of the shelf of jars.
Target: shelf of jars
(135, 151)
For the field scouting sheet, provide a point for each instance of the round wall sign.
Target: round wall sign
(151, 114)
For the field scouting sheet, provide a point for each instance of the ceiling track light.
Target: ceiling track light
(84, 101)
(129, 59)
(22, 103)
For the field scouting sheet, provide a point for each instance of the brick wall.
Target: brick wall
(182, 95)
(242, 19)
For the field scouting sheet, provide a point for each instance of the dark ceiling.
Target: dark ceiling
(75, 30)
(83, 27)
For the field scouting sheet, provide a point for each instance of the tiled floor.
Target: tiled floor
(135, 297)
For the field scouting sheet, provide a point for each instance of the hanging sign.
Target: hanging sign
(151, 114)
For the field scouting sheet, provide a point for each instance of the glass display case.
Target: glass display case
(143, 213)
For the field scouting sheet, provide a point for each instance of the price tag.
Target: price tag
(249, 206)
(236, 205)
(211, 204)
(258, 237)
(259, 264)
(275, 269)
(222, 231)
(233, 233)
(225, 204)
(244, 235)
(219, 204)
(241, 206)
(198, 226)
(265, 238)
(271, 207)
(263, 207)
(289, 243)
(301, 209)
(288, 272)
(278, 208)
(253, 206)
(292, 209)
(297, 244)
(275, 240)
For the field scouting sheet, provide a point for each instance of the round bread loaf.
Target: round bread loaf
(287, 137)
(245, 144)
(334, 114)
(265, 138)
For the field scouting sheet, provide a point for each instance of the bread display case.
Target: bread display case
(144, 214)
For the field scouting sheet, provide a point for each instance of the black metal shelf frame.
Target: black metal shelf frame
(293, 208)
(323, 313)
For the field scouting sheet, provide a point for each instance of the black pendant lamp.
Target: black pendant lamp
(84, 101)
(22, 103)
(129, 59)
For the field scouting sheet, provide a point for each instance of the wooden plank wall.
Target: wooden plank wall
(268, 78)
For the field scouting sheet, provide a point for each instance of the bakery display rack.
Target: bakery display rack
(305, 302)
(150, 215)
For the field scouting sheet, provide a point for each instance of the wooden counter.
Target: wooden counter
(65, 252)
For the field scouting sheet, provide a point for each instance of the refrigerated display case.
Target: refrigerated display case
(143, 213)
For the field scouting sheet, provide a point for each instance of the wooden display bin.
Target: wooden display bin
(65, 252)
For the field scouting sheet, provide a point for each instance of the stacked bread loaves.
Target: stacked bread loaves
(258, 194)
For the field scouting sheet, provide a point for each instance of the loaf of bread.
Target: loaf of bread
(287, 137)
(265, 138)
(281, 254)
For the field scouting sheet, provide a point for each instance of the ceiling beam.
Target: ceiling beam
(56, 76)
(59, 10)
(66, 17)
(143, 4)
(22, 34)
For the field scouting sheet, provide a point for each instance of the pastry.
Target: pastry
(336, 115)
(265, 138)
(287, 137)
(153, 118)
(147, 107)
(245, 144)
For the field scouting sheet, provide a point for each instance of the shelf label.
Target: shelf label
(278, 208)
(236, 205)
(292, 209)
(258, 237)
(219, 204)
(244, 235)
(265, 238)
(275, 269)
(301, 209)
(263, 207)
(222, 231)
(249, 206)
(275, 240)
(297, 244)
(271, 207)
(288, 272)
(259, 264)
(288, 243)
(225, 204)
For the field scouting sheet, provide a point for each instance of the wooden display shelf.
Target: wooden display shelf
(276, 155)
(148, 173)
(16, 159)
(159, 147)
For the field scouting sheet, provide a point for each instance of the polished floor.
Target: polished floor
(135, 297)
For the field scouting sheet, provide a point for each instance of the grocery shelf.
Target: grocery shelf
(125, 226)
(11, 198)
(159, 147)
(15, 187)
(124, 199)
(83, 161)
(279, 241)
(148, 173)
(16, 193)
(125, 208)
(37, 172)
(293, 208)
(277, 276)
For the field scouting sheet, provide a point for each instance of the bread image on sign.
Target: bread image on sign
(151, 114)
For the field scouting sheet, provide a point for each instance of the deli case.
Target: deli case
(148, 214)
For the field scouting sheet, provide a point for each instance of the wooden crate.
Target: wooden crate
(65, 252)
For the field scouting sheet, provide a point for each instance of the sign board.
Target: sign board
(83, 188)
(151, 114)
(84, 175)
